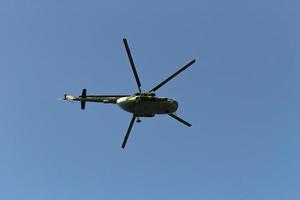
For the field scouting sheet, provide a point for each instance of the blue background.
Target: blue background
(242, 97)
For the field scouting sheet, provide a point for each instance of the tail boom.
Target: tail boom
(93, 98)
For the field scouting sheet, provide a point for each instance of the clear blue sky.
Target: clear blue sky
(242, 97)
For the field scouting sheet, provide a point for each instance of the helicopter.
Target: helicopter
(140, 104)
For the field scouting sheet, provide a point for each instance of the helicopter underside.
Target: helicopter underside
(147, 106)
(141, 104)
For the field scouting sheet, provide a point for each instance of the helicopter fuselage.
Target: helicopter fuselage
(140, 104)
(147, 106)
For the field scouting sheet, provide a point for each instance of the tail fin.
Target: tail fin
(83, 99)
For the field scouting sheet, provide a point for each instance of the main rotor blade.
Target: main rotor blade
(128, 132)
(132, 64)
(172, 76)
(180, 120)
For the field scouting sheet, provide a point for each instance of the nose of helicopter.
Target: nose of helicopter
(174, 105)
